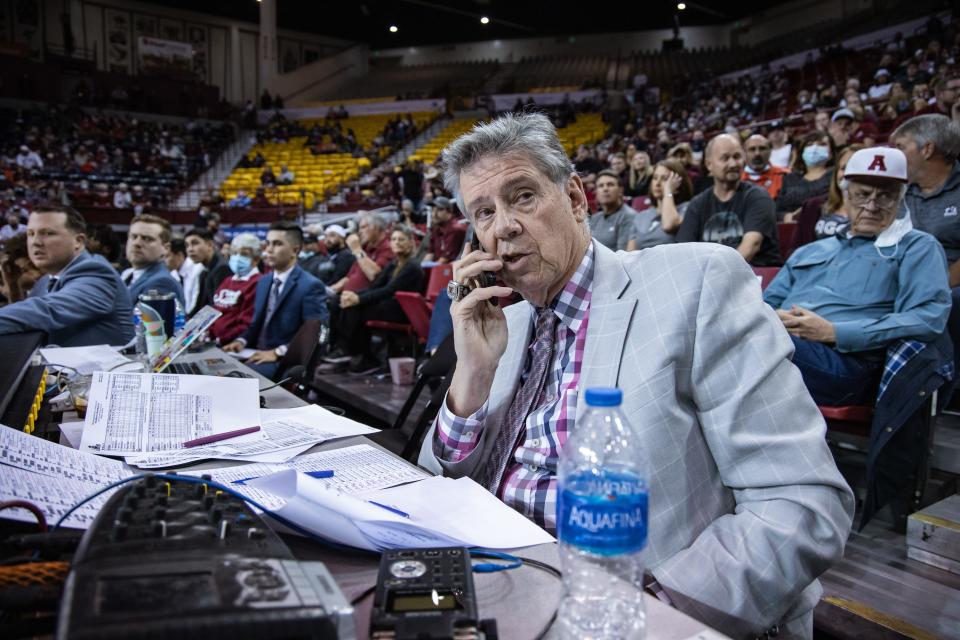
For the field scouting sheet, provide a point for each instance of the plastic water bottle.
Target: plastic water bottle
(602, 524)
(140, 344)
(179, 318)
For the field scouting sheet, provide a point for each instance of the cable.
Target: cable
(490, 567)
(543, 566)
(29, 506)
(366, 592)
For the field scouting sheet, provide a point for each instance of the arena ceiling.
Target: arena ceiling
(424, 22)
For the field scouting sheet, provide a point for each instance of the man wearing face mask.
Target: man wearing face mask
(846, 298)
(310, 257)
(235, 296)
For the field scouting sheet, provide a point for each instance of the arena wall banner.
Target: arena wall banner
(164, 56)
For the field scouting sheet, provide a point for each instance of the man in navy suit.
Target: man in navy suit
(286, 298)
(80, 300)
(148, 244)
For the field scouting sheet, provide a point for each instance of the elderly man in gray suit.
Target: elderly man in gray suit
(747, 507)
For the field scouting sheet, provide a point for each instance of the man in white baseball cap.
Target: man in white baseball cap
(846, 298)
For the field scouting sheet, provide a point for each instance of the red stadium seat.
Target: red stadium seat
(767, 274)
(418, 312)
(440, 275)
(787, 235)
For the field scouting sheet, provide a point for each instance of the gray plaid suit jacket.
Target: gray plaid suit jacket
(747, 507)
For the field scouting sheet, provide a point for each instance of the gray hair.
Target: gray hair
(373, 219)
(935, 128)
(531, 134)
(845, 186)
(245, 241)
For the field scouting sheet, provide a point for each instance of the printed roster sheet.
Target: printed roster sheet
(132, 413)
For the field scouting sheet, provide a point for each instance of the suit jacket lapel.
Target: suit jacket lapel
(288, 286)
(519, 330)
(608, 323)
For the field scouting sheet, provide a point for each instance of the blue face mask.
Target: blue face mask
(303, 255)
(240, 264)
(816, 155)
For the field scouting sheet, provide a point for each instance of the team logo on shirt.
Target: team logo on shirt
(950, 211)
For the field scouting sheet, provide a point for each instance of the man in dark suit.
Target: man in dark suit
(147, 246)
(202, 250)
(286, 298)
(80, 300)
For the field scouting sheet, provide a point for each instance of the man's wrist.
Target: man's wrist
(281, 350)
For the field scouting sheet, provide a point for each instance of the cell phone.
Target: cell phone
(487, 278)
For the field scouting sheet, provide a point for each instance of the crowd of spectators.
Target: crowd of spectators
(88, 160)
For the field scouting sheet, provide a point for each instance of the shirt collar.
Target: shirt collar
(573, 302)
(282, 277)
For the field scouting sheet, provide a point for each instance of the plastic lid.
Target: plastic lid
(604, 397)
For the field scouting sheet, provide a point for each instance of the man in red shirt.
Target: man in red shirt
(372, 251)
(446, 235)
(235, 296)
(758, 170)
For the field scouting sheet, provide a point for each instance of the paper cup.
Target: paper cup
(402, 370)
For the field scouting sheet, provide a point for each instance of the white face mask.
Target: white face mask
(891, 236)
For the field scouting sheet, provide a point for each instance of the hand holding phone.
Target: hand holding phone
(487, 278)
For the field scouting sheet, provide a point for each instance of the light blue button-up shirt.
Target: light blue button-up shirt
(871, 300)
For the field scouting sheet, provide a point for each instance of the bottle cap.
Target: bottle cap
(604, 397)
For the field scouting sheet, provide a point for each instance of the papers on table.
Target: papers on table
(434, 512)
(131, 413)
(287, 433)
(87, 360)
(53, 477)
(355, 469)
(243, 354)
(71, 433)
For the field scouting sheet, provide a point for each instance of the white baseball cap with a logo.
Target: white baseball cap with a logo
(877, 162)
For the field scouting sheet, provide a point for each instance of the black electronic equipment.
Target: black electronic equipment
(426, 594)
(179, 559)
(20, 382)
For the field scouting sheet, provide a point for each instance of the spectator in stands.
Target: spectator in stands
(286, 175)
(80, 300)
(183, 270)
(266, 100)
(29, 160)
(841, 126)
(241, 200)
(338, 260)
(845, 299)
(213, 268)
(102, 240)
(446, 235)
(585, 161)
(612, 224)
(735, 213)
(639, 175)
(148, 243)
(18, 274)
(759, 171)
(14, 226)
(821, 217)
(235, 296)
(121, 197)
(267, 177)
(931, 144)
(376, 302)
(810, 177)
(822, 120)
(513, 399)
(260, 199)
(213, 224)
(371, 248)
(780, 148)
(618, 164)
(881, 85)
(670, 192)
(285, 299)
(138, 199)
(310, 256)
(683, 153)
(411, 182)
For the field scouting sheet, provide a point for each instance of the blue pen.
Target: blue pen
(326, 473)
(391, 509)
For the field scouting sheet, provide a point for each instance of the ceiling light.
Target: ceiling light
(484, 20)
(681, 6)
(393, 28)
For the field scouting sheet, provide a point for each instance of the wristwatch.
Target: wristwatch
(281, 351)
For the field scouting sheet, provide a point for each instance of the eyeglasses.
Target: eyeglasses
(883, 199)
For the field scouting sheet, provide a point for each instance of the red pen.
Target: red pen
(220, 436)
